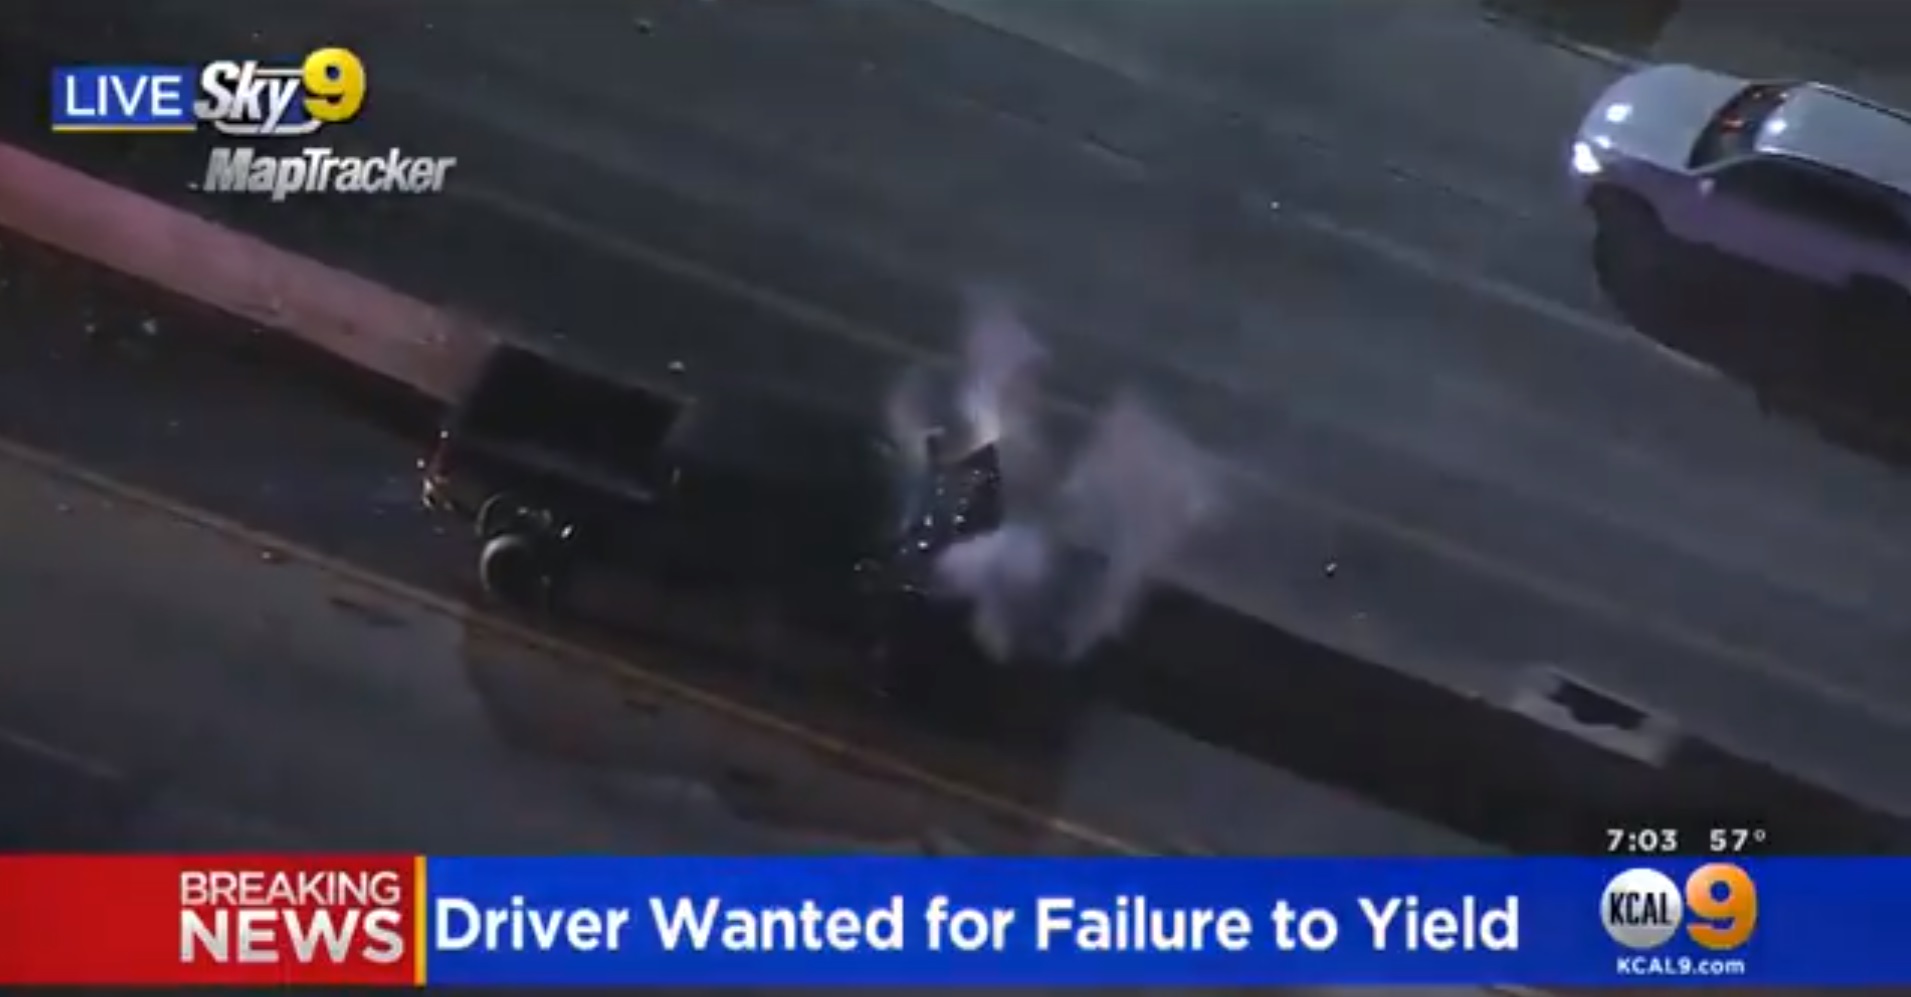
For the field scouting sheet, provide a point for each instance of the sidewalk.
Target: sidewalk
(1859, 44)
(355, 319)
(1863, 45)
(1863, 33)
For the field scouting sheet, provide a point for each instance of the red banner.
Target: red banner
(257, 920)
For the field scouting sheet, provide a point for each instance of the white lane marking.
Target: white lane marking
(1424, 262)
(235, 829)
(1430, 265)
(63, 757)
(1418, 261)
(1433, 267)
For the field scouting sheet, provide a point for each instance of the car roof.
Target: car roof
(1843, 131)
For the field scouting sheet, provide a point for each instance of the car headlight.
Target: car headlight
(1585, 160)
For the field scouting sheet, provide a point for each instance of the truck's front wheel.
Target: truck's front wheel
(503, 513)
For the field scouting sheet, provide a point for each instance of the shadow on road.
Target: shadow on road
(1806, 353)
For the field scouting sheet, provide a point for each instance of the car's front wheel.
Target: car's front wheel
(1630, 232)
(1623, 211)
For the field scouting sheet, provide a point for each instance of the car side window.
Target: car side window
(1804, 193)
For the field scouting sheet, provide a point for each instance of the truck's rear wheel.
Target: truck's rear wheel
(515, 569)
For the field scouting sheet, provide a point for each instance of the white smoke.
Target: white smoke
(1085, 533)
(1005, 573)
(994, 399)
(998, 393)
(1134, 495)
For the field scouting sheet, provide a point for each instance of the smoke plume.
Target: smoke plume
(1085, 532)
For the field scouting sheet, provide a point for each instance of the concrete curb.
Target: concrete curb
(359, 321)
(1595, 53)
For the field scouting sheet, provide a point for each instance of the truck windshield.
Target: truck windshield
(1734, 130)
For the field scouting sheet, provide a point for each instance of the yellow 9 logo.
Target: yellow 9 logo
(334, 81)
(1722, 904)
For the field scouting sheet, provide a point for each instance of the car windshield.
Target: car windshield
(1734, 130)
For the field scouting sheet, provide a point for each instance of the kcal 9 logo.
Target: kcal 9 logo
(1643, 908)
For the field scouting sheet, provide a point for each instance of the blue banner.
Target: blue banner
(1166, 922)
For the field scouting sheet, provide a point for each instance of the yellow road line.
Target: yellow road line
(818, 741)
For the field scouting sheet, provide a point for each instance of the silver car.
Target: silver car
(1802, 178)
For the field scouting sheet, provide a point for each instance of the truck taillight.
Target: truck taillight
(432, 476)
(433, 463)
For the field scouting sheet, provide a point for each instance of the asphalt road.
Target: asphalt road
(1364, 290)
(179, 685)
(168, 686)
(169, 689)
(178, 402)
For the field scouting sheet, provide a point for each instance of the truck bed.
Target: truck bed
(523, 399)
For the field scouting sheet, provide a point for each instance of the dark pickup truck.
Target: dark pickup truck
(724, 511)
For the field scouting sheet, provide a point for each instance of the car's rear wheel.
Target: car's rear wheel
(1877, 305)
(1875, 323)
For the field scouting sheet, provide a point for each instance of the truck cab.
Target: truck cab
(739, 489)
